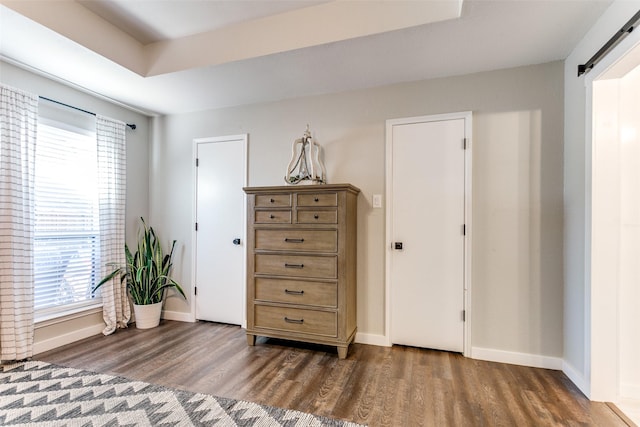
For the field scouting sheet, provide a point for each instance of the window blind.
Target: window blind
(66, 235)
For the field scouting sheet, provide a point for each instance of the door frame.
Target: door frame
(467, 117)
(244, 140)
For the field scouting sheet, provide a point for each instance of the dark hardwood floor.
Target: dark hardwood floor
(378, 386)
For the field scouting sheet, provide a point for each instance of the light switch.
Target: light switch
(377, 200)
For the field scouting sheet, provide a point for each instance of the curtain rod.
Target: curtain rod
(613, 41)
(131, 125)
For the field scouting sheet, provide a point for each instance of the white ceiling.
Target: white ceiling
(153, 21)
(163, 56)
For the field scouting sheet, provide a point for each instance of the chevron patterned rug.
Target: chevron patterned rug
(42, 394)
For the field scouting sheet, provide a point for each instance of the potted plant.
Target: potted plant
(147, 275)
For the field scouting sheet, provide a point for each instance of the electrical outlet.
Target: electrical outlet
(377, 200)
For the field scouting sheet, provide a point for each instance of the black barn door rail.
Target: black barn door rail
(613, 42)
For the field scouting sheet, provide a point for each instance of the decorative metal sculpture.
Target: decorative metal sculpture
(305, 167)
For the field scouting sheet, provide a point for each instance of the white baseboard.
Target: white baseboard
(577, 378)
(77, 335)
(180, 316)
(68, 338)
(372, 339)
(514, 358)
(630, 391)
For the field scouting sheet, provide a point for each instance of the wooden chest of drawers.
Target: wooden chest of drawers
(301, 264)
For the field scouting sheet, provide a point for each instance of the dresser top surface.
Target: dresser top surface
(314, 188)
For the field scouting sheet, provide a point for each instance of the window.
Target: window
(67, 236)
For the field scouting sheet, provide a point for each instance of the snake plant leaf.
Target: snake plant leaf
(147, 271)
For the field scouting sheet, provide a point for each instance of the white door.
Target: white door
(427, 232)
(220, 218)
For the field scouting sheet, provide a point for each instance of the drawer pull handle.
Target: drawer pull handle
(271, 216)
(315, 199)
(288, 240)
(293, 265)
(297, 321)
(272, 201)
(287, 291)
(316, 216)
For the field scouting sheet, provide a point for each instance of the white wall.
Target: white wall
(579, 294)
(518, 119)
(55, 333)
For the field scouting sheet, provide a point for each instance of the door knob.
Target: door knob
(236, 241)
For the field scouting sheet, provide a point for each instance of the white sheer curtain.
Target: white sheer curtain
(112, 187)
(18, 128)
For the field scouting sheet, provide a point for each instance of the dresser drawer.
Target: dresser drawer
(323, 294)
(318, 199)
(297, 240)
(273, 200)
(296, 320)
(317, 217)
(297, 265)
(273, 217)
